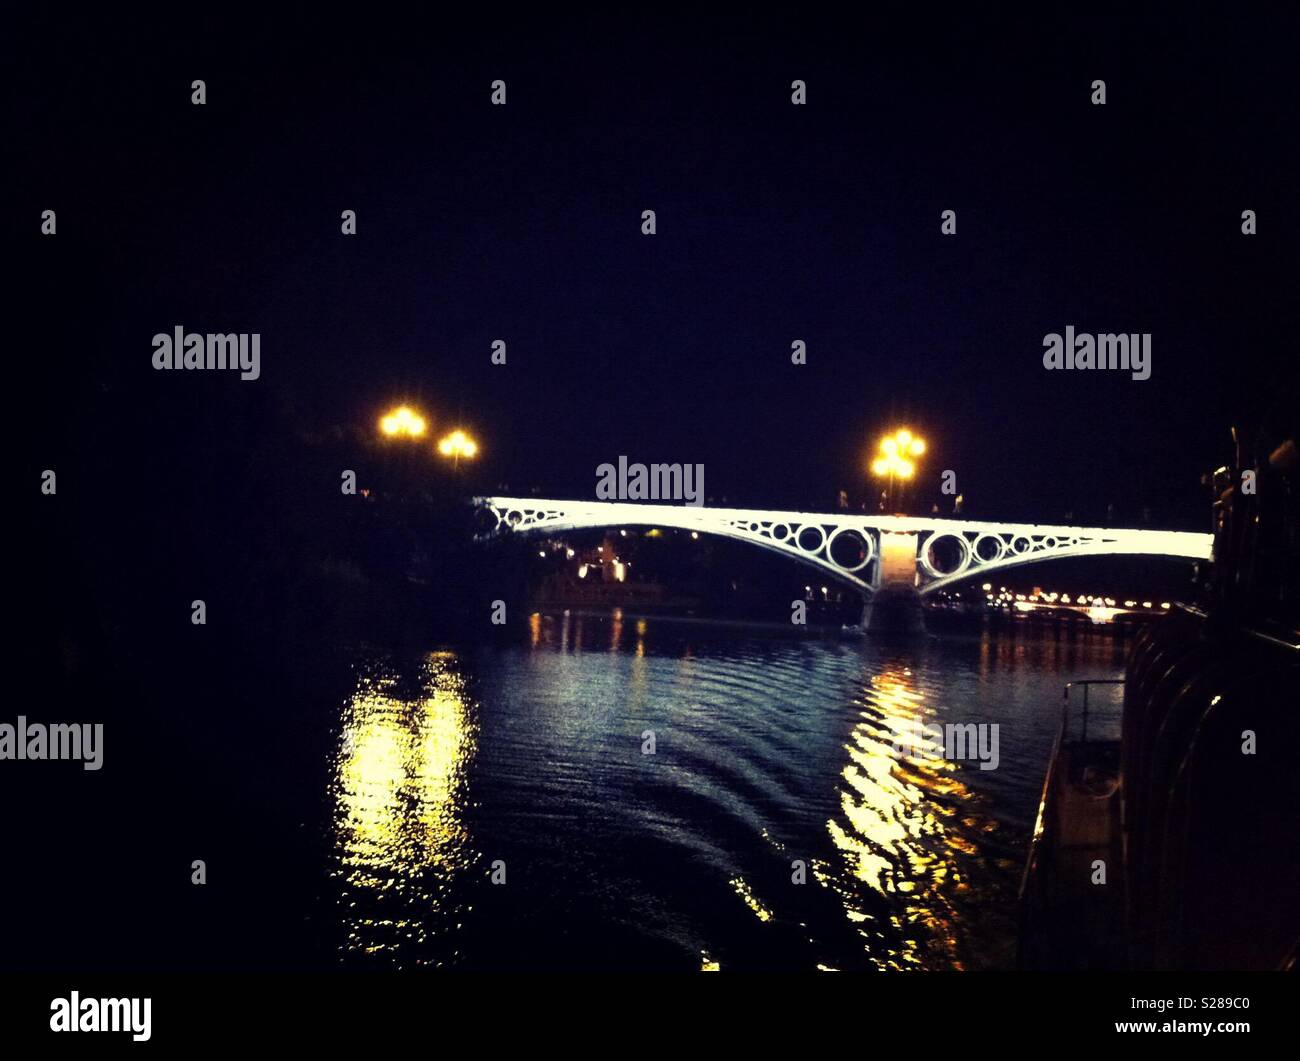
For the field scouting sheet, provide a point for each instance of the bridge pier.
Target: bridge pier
(895, 606)
(894, 610)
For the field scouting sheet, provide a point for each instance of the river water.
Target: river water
(621, 792)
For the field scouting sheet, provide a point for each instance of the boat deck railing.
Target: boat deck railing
(1084, 720)
(1060, 924)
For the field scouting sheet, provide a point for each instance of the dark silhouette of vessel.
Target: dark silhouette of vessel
(1167, 831)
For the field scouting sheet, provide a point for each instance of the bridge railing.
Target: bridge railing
(1175, 543)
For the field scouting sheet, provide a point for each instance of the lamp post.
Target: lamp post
(398, 460)
(896, 461)
(403, 422)
(457, 445)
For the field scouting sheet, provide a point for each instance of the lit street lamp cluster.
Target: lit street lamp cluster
(896, 453)
(405, 423)
(897, 461)
(457, 445)
(402, 422)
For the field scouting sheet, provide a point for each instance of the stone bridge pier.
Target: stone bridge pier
(895, 606)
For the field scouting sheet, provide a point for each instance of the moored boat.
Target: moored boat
(1167, 835)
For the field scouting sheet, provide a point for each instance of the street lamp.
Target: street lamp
(897, 458)
(403, 422)
(458, 445)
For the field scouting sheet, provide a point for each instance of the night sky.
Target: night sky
(478, 222)
(775, 222)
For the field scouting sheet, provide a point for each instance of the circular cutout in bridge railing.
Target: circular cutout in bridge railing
(849, 550)
(988, 548)
(946, 554)
(810, 538)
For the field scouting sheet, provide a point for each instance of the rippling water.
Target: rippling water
(619, 792)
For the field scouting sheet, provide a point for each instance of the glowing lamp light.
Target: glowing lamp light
(403, 422)
(896, 455)
(458, 444)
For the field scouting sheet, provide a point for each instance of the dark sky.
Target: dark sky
(775, 222)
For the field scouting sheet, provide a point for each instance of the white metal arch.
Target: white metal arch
(803, 537)
(808, 537)
(986, 548)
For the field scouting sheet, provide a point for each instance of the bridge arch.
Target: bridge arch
(810, 537)
(988, 549)
(807, 539)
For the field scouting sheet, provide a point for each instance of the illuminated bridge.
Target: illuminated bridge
(867, 552)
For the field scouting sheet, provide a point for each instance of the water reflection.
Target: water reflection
(903, 813)
(773, 756)
(399, 792)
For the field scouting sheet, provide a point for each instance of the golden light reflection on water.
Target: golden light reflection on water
(399, 793)
(747, 894)
(896, 834)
